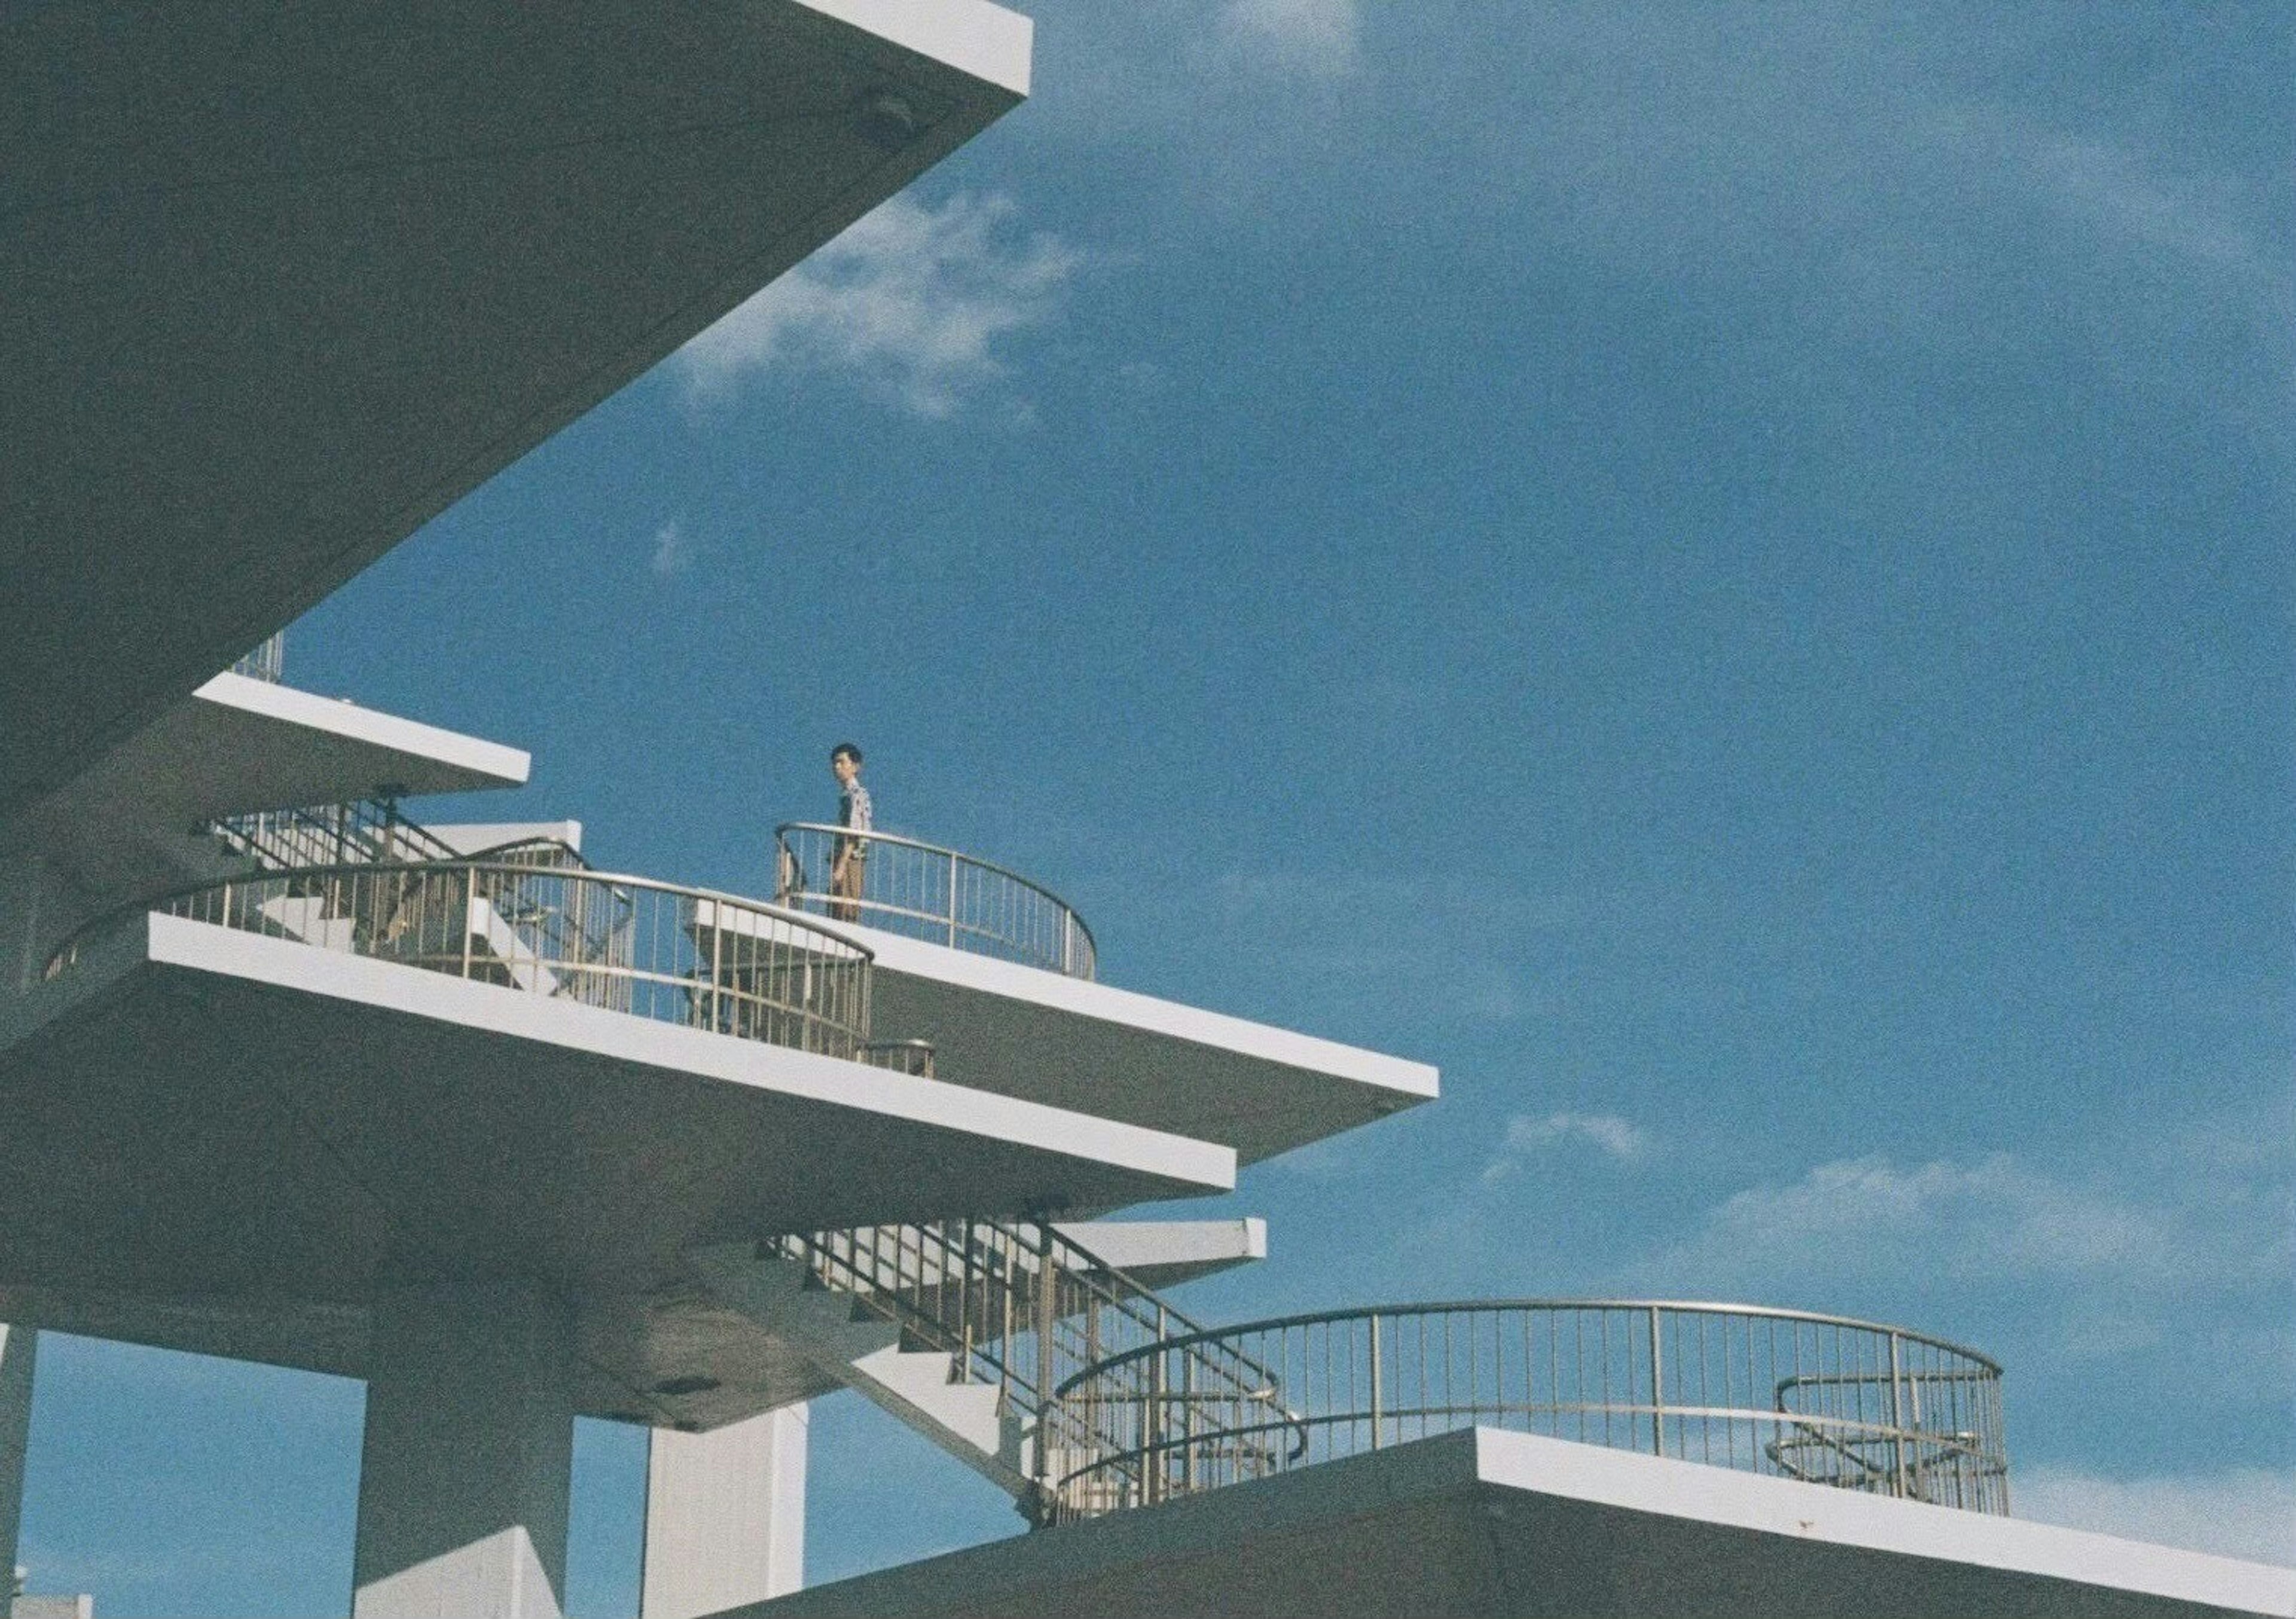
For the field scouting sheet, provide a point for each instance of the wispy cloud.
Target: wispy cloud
(2190, 1243)
(1864, 1214)
(673, 551)
(915, 302)
(1322, 38)
(2242, 1512)
(1526, 1138)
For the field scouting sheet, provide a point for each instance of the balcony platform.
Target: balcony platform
(239, 745)
(224, 1142)
(1066, 1042)
(1487, 1522)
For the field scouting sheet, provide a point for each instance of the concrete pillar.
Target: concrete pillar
(725, 1515)
(469, 1455)
(18, 1345)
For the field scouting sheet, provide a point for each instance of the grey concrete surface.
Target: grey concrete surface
(1482, 1522)
(277, 287)
(467, 1461)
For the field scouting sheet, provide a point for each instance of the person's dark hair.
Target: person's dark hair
(845, 751)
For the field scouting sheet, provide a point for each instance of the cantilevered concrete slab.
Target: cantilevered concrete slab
(277, 286)
(1487, 1521)
(1020, 1031)
(220, 1140)
(235, 746)
(1161, 1254)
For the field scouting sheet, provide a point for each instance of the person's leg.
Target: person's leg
(846, 884)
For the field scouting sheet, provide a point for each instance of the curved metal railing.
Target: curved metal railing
(1820, 1398)
(628, 943)
(1023, 1307)
(926, 892)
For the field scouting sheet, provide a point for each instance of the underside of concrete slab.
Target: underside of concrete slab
(277, 287)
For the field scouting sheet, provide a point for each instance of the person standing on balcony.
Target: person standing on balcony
(849, 857)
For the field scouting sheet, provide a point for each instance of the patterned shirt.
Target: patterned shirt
(855, 811)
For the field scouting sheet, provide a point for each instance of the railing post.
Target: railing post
(1897, 1420)
(1375, 1380)
(470, 913)
(1657, 1389)
(1045, 1381)
(1153, 1458)
(952, 902)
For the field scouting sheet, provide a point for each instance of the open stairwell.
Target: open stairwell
(970, 1329)
(857, 1344)
(354, 867)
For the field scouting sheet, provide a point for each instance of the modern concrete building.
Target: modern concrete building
(290, 1076)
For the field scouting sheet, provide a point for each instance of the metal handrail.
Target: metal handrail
(267, 661)
(362, 831)
(926, 891)
(658, 950)
(1023, 1306)
(1794, 1394)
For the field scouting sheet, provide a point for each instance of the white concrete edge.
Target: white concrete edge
(1787, 1507)
(494, 764)
(1084, 998)
(476, 836)
(287, 964)
(975, 37)
(1132, 1245)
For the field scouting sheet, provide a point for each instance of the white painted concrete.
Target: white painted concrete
(724, 1517)
(1161, 1253)
(1021, 1031)
(122, 829)
(19, 1347)
(464, 758)
(524, 185)
(468, 1457)
(289, 1118)
(1484, 1522)
(477, 837)
(1188, 1166)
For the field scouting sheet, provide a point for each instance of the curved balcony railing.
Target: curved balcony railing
(677, 955)
(1779, 1392)
(926, 892)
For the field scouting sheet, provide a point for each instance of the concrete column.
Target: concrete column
(469, 1455)
(18, 1345)
(725, 1515)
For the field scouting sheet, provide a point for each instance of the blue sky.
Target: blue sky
(1722, 575)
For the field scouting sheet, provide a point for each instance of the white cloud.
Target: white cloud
(913, 301)
(2242, 1512)
(673, 552)
(2177, 1245)
(1859, 1216)
(1607, 1132)
(1322, 38)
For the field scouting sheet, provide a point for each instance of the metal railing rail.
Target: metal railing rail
(266, 661)
(1820, 1398)
(927, 892)
(366, 831)
(631, 944)
(1018, 1304)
